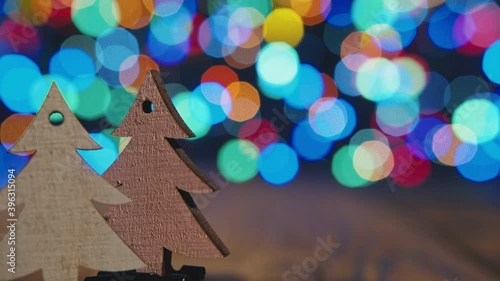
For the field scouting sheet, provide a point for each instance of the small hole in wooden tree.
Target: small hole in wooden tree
(56, 118)
(148, 106)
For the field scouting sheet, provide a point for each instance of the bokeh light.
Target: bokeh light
(172, 29)
(412, 76)
(237, 160)
(378, 79)
(263, 7)
(114, 47)
(278, 164)
(277, 64)
(398, 115)
(373, 160)
(311, 11)
(18, 75)
(409, 170)
(490, 62)
(449, 149)
(13, 128)
(284, 25)
(366, 13)
(93, 101)
(35, 12)
(420, 139)
(85, 44)
(479, 24)
(345, 77)
(440, 29)
(482, 167)
(343, 168)
(218, 100)
(365, 135)
(306, 88)
(135, 14)
(94, 17)
(340, 14)
(213, 36)
(330, 89)
(75, 65)
(19, 38)
(242, 57)
(479, 116)
(244, 27)
(244, 101)
(389, 39)
(165, 8)
(360, 43)
(332, 118)
(309, 145)
(221, 74)
(260, 132)
(167, 54)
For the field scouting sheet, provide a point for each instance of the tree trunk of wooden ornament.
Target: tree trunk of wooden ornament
(59, 229)
(157, 174)
(186, 273)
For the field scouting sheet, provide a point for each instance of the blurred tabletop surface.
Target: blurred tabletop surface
(448, 232)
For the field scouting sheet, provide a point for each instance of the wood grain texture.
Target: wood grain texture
(59, 229)
(156, 173)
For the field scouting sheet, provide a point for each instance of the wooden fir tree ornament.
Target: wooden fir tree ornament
(157, 174)
(59, 229)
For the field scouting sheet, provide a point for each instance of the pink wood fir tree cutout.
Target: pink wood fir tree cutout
(157, 174)
(59, 229)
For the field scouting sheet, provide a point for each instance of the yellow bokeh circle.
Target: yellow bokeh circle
(285, 25)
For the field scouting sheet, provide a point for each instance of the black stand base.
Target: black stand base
(186, 273)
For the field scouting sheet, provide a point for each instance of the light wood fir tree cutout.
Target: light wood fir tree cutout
(59, 229)
(158, 176)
